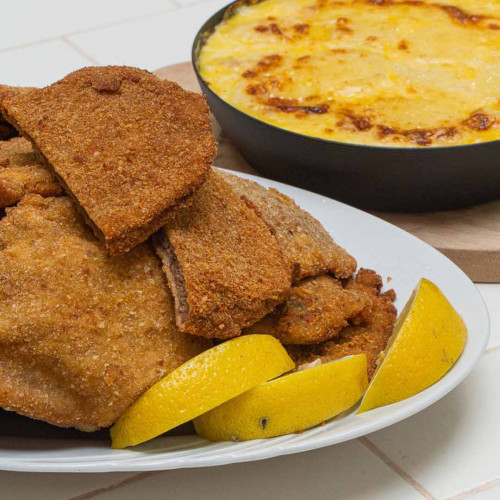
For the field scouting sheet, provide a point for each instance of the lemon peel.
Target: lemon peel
(200, 384)
(428, 338)
(288, 404)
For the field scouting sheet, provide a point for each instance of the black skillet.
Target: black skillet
(413, 179)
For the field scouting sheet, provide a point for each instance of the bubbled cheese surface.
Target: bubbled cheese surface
(402, 73)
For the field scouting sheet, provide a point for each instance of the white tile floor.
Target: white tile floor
(31, 21)
(355, 472)
(27, 66)
(151, 42)
(453, 446)
(451, 450)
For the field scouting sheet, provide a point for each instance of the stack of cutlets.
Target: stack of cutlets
(123, 253)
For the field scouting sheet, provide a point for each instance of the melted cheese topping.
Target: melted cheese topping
(379, 72)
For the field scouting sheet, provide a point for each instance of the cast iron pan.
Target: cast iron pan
(375, 178)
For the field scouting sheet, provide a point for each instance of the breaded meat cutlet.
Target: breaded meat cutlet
(82, 334)
(317, 310)
(309, 249)
(127, 146)
(6, 129)
(224, 266)
(21, 172)
(369, 333)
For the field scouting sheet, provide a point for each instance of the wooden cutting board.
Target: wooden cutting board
(469, 237)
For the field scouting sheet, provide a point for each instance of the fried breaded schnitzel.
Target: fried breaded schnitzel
(224, 266)
(82, 334)
(317, 310)
(309, 249)
(21, 172)
(6, 129)
(369, 332)
(126, 145)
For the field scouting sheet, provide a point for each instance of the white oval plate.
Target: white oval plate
(376, 244)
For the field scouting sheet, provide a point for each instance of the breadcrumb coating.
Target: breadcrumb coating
(309, 249)
(317, 310)
(127, 146)
(21, 172)
(82, 334)
(369, 333)
(6, 129)
(224, 266)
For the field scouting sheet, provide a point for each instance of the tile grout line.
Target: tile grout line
(363, 440)
(477, 489)
(129, 480)
(174, 6)
(78, 49)
(400, 472)
(30, 44)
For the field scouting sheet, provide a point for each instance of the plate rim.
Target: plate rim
(273, 447)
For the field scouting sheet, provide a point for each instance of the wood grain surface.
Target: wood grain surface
(469, 237)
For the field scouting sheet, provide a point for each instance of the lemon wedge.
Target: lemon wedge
(288, 404)
(200, 384)
(428, 338)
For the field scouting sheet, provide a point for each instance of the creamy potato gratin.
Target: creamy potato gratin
(380, 72)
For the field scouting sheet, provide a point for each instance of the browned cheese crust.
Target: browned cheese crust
(224, 266)
(82, 334)
(369, 332)
(127, 146)
(318, 308)
(21, 172)
(306, 245)
(6, 129)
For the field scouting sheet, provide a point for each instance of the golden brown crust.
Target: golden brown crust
(306, 245)
(229, 270)
(127, 146)
(369, 332)
(82, 334)
(6, 129)
(318, 308)
(21, 172)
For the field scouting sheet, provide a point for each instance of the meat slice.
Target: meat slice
(223, 264)
(82, 335)
(21, 172)
(7, 130)
(317, 310)
(127, 146)
(308, 248)
(369, 332)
